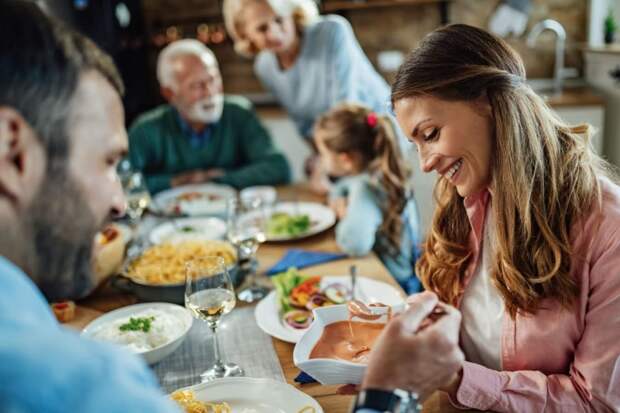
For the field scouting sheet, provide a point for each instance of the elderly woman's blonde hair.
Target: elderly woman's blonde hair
(304, 12)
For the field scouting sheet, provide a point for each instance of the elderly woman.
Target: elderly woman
(309, 63)
(525, 240)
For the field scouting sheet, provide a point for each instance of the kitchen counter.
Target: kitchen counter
(613, 48)
(570, 96)
(578, 96)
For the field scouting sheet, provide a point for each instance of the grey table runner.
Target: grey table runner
(241, 341)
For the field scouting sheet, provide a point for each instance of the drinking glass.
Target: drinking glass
(246, 222)
(135, 189)
(209, 294)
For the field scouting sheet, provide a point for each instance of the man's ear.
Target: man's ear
(22, 158)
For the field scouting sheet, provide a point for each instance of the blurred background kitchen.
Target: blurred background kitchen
(573, 60)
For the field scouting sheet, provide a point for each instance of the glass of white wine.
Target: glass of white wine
(209, 294)
(137, 195)
(246, 223)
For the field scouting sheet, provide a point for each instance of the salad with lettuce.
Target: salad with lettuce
(282, 224)
(299, 294)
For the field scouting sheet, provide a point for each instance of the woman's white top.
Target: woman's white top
(483, 308)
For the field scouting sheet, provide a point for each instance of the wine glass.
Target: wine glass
(136, 193)
(246, 230)
(209, 294)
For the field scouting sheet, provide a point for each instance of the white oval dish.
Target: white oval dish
(151, 356)
(167, 200)
(204, 229)
(327, 371)
(254, 395)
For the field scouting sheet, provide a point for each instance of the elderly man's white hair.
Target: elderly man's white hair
(185, 47)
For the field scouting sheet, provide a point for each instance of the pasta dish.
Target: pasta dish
(165, 264)
(189, 403)
(186, 399)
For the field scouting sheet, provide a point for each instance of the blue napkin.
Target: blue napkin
(301, 258)
(304, 378)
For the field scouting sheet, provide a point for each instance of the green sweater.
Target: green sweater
(238, 144)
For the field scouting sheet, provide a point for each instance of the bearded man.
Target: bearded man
(201, 135)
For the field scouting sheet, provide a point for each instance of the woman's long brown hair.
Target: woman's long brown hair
(543, 172)
(345, 129)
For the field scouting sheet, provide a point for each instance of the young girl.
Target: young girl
(372, 197)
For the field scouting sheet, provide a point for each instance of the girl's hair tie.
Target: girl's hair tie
(371, 119)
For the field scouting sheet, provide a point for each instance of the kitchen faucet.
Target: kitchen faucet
(560, 46)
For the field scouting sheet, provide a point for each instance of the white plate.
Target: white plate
(321, 218)
(204, 229)
(269, 319)
(158, 353)
(245, 394)
(165, 201)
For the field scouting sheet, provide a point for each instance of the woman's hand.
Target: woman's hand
(420, 361)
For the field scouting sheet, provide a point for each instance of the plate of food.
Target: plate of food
(153, 330)
(157, 272)
(286, 312)
(194, 200)
(188, 229)
(244, 395)
(295, 220)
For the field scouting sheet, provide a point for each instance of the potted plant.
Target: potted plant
(610, 27)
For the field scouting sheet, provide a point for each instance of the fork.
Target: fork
(353, 273)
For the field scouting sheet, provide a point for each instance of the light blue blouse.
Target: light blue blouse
(359, 231)
(331, 68)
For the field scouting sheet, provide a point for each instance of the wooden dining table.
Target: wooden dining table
(331, 399)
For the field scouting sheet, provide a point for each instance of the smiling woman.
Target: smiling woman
(454, 138)
(525, 236)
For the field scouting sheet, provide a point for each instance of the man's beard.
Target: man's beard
(207, 110)
(61, 229)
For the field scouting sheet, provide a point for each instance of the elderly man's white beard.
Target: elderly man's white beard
(208, 110)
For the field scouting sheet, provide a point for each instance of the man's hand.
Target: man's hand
(420, 361)
(196, 177)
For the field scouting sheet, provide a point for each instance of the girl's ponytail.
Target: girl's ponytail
(394, 177)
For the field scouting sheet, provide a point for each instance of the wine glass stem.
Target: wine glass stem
(252, 268)
(218, 365)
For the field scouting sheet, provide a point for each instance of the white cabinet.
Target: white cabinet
(594, 115)
(598, 68)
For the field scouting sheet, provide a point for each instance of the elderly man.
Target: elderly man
(61, 137)
(201, 135)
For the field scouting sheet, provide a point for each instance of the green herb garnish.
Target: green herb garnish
(188, 229)
(138, 324)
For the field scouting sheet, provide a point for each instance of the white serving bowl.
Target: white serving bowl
(327, 371)
(267, 194)
(205, 229)
(158, 353)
